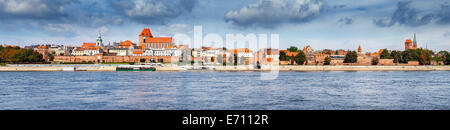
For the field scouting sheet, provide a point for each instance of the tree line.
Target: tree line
(16, 55)
(423, 56)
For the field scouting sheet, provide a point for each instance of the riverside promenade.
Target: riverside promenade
(222, 68)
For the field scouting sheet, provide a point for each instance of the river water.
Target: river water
(417, 90)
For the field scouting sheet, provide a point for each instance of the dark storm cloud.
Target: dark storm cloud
(443, 16)
(405, 15)
(153, 11)
(90, 13)
(270, 14)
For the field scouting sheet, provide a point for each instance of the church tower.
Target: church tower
(99, 40)
(359, 49)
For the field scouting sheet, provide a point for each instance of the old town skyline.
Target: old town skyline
(326, 25)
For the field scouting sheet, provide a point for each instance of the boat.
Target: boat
(135, 69)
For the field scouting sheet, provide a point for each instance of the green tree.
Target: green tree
(375, 61)
(385, 54)
(212, 59)
(300, 58)
(283, 56)
(425, 57)
(292, 49)
(351, 57)
(327, 61)
(447, 59)
(397, 56)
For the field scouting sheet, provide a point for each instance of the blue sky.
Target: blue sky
(323, 24)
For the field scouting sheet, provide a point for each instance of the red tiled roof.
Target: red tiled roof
(92, 48)
(159, 40)
(146, 32)
(126, 44)
(289, 53)
(89, 45)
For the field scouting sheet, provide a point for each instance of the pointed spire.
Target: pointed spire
(359, 48)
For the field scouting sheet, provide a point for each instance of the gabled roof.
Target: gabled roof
(146, 32)
(126, 44)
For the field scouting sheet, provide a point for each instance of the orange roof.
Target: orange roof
(79, 49)
(9, 46)
(159, 40)
(92, 48)
(408, 41)
(381, 50)
(146, 32)
(289, 53)
(43, 47)
(137, 52)
(89, 45)
(126, 44)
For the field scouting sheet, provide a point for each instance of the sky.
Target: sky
(322, 24)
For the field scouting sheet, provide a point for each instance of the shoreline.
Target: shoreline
(247, 68)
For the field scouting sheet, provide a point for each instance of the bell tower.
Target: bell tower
(99, 40)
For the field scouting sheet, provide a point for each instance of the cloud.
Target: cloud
(270, 14)
(404, 15)
(443, 16)
(34, 9)
(345, 21)
(153, 11)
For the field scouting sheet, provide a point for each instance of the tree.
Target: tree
(351, 57)
(235, 59)
(212, 59)
(283, 56)
(385, 54)
(375, 61)
(292, 49)
(447, 59)
(397, 56)
(327, 61)
(300, 58)
(425, 57)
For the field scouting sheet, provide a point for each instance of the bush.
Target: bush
(327, 61)
(300, 58)
(351, 57)
(425, 57)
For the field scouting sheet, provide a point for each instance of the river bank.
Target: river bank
(230, 68)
